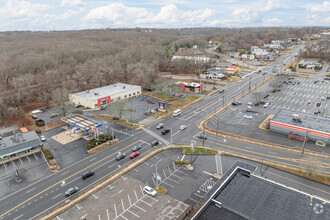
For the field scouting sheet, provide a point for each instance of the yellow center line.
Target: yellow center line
(299, 183)
(326, 165)
(66, 179)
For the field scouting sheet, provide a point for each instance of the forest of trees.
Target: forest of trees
(34, 64)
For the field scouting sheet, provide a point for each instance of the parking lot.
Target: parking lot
(125, 199)
(298, 94)
(30, 168)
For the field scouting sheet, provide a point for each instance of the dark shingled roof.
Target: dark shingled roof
(243, 196)
(310, 121)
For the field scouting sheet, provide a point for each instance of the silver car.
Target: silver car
(71, 191)
(150, 191)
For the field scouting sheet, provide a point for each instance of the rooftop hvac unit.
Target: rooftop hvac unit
(296, 117)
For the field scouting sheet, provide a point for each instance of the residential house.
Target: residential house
(247, 57)
(214, 43)
(309, 64)
(259, 52)
(212, 74)
(277, 42)
(197, 59)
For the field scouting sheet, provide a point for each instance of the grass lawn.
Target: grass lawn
(178, 104)
(160, 190)
(160, 96)
(102, 146)
(206, 92)
(198, 150)
(126, 123)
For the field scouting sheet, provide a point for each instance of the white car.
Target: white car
(150, 191)
(322, 98)
(42, 138)
(248, 116)
(183, 127)
(240, 81)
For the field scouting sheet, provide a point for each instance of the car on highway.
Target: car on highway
(183, 127)
(120, 156)
(201, 136)
(318, 103)
(136, 148)
(159, 126)
(87, 175)
(42, 138)
(240, 81)
(71, 191)
(154, 143)
(149, 191)
(165, 131)
(134, 154)
(236, 103)
(221, 91)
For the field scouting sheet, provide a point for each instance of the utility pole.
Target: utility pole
(217, 125)
(171, 138)
(203, 137)
(303, 149)
(192, 150)
(250, 83)
(223, 99)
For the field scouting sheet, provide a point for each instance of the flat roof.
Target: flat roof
(19, 139)
(242, 195)
(310, 121)
(105, 91)
(81, 122)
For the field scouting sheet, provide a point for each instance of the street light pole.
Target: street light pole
(156, 172)
(171, 138)
(303, 148)
(250, 83)
(203, 137)
(217, 125)
(223, 99)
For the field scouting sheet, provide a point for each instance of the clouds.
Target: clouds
(117, 14)
(271, 5)
(245, 16)
(320, 8)
(22, 9)
(318, 13)
(72, 3)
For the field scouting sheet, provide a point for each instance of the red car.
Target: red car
(134, 154)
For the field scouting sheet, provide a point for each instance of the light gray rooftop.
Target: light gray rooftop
(310, 121)
(106, 91)
(18, 139)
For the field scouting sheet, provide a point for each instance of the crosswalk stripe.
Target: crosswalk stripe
(157, 136)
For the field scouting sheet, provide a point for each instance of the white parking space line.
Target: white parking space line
(168, 184)
(133, 213)
(164, 173)
(20, 160)
(193, 200)
(173, 180)
(129, 200)
(28, 157)
(35, 156)
(122, 203)
(114, 205)
(139, 208)
(108, 214)
(145, 202)
(177, 176)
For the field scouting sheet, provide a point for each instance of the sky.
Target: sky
(48, 15)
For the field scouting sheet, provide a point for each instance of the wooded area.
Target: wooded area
(38, 67)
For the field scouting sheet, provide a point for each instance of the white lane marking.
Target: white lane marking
(65, 172)
(92, 159)
(183, 157)
(56, 196)
(108, 214)
(140, 208)
(145, 203)
(133, 213)
(193, 200)
(122, 203)
(168, 184)
(18, 217)
(114, 205)
(208, 173)
(30, 190)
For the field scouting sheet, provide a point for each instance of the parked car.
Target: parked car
(328, 97)
(42, 138)
(120, 156)
(248, 116)
(201, 136)
(159, 126)
(34, 116)
(165, 131)
(71, 191)
(221, 91)
(183, 127)
(154, 143)
(240, 81)
(236, 103)
(309, 101)
(134, 154)
(150, 191)
(322, 98)
(54, 115)
(136, 148)
(318, 103)
(317, 112)
(87, 175)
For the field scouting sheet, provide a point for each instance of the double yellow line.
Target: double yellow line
(66, 179)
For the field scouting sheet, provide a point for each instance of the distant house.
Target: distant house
(259, 52)
(277, 42)
(273, 46)
(197, 59)
(212, 74)
(233, 70)
(247, 57)
(308, 64)
(195, 47)
(214, 43)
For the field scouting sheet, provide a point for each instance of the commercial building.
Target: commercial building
(298, 123)
(19, 143)
(191, 87)
(105, 95)
(240, 194)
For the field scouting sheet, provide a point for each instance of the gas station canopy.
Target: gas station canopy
(81, 122)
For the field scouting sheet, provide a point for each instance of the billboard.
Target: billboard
(162, 105)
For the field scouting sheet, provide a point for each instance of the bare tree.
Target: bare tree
(120, 108)
(60, 99)
(257, 97)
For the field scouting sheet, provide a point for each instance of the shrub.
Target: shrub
(49, 154)
(115, 118)
(186, 162)
(177, 161)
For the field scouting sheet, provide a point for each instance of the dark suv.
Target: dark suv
(87, 175)
(165, 131)
(71, 191)
(154, 143)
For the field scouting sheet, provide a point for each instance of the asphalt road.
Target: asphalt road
(47, 193)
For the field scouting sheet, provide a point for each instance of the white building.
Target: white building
(197, 59)
(259, 52)
(247, 57)
(105, 95)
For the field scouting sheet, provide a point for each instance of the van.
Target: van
(87, 175)
(177, 112)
